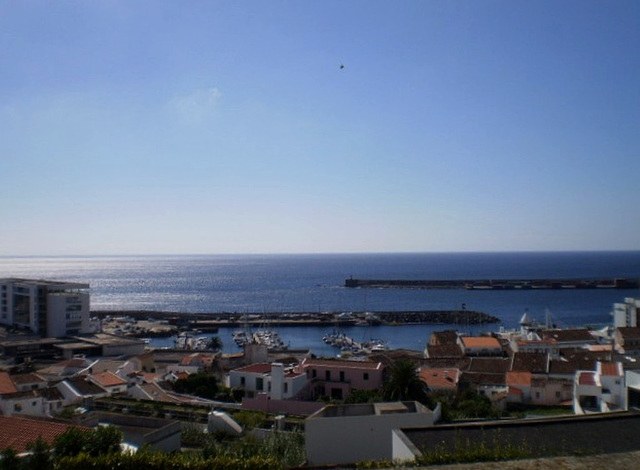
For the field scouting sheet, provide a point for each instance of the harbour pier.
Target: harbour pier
(212, 321)
(497, 284)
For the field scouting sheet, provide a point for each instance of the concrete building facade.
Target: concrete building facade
(345, 434)
(47, 308)
(337, 378)
(625, 314)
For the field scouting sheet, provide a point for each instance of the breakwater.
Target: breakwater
(497, 284)
(280, 319)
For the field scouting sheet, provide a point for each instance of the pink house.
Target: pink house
(337, 378)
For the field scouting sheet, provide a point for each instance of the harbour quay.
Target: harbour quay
(497, 284)
(206, 321)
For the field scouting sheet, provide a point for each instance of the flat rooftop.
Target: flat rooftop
(103, 339)
(370, 409)
(43, 282)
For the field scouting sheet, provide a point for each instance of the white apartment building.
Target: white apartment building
(47, 308)
(625, 314)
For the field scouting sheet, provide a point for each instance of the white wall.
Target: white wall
(350, 439)
(66, 313)
(29, 405)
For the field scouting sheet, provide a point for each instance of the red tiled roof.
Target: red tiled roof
(108, 379)
(443, 337)
(488, 365)
(262, 368)
(519, 378)
(18, 432)
(629, 332)
(20, 379)
(484, 379)
(480, 342)
(75, 362)
(149, 376)
(84, 387)
(341, 364)
(587, 378)
(574, 335)
(461, 363)
(440, 378)
(569, 367)
(515, 391)
(529, 362)
(610, 369)
(6, 384)
(444, 350)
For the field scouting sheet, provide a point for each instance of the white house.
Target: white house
(29, 381)
(278, 381)
(27, 394)
(547, 346)
(29, 403)
(600, 391)
(192, 363)
(109, 381)
(76, 389)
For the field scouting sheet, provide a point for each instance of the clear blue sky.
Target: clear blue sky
(230, 127)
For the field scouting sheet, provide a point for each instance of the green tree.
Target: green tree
(40, 455)
(103, 440)
(9, 460)
(402, 382)
(202, 385)
(215, 343)
(363, 396)
(471, 404)
(70, 443)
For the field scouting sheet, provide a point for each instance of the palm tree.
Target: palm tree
(215, 343)
(403, 383)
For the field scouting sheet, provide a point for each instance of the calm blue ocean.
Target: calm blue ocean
(291, 283)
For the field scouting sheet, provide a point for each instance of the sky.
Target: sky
(146, 127)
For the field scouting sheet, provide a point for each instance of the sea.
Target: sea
(315, 283)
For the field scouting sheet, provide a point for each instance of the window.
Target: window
(242, 381)
(365, 376)
(557, 394)
(327, 375)
(259, 384)
(314, 373)
(341, 376)
(286, 387)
